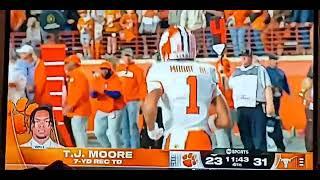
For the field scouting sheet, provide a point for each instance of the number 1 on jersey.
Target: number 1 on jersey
(193, 108)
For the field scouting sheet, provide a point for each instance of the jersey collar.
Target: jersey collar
(45, 145)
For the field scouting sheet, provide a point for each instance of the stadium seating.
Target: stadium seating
(281, 41)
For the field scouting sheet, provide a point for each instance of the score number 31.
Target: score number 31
(260, 161)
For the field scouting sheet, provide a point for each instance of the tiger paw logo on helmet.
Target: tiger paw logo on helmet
(189, 160)
(20, 114)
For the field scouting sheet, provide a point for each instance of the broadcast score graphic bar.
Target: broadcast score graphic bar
(241, 159)
(155, 158)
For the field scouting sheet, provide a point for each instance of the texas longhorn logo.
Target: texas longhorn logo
(291, 161)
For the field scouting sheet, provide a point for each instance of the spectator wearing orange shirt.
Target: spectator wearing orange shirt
(17, 18)
(107, 91)
(259, 20)
(112, 28)
(129, 24)
(77, 104)
(134, 91)
(237, 21)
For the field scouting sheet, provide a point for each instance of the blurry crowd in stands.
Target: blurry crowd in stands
(126, 25)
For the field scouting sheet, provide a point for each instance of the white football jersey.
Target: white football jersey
(189, 88)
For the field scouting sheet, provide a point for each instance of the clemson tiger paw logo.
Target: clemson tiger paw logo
(189, 160)
(20, 114)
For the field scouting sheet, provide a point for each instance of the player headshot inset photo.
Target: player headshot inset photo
(41, 126)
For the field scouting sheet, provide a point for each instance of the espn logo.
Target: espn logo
(185, 159)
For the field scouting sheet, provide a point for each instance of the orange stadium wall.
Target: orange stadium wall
(292, 109)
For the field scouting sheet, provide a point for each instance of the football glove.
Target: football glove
(156, 133)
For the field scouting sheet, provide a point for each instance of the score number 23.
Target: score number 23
(214, 161)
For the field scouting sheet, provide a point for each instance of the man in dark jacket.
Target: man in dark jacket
(71, 17)
(279, 84)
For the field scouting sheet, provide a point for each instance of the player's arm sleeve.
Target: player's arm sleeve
(153, 81)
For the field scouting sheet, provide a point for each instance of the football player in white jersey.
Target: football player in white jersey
(185, 90)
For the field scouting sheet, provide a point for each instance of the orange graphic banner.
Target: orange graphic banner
(95, 157)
